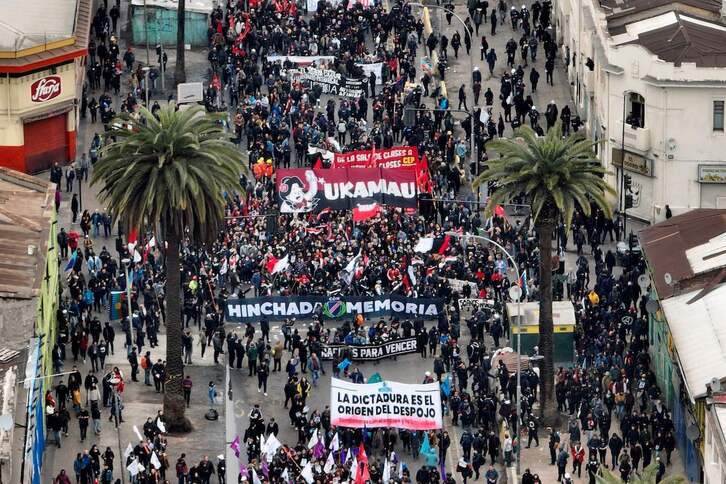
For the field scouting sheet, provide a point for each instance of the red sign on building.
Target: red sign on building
(45, 89)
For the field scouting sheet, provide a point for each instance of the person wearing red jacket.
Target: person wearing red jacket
(578, 457)
(62, 478)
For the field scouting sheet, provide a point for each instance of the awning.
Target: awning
(699, 337)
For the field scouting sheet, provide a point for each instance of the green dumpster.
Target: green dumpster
(563, 318)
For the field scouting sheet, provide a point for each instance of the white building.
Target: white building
(662, 66)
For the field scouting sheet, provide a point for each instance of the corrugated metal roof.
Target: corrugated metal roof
(26, 208)
(699, 335)
(665, 245)
(29, 23)
(80, 31)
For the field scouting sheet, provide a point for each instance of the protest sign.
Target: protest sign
(458, 285)
(278, 308)
(399, 156)
(370, 352)
(303, 190)
(376, 67)
(301, 60)
(330, 81)
(385, 404)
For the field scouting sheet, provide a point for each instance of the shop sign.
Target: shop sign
(712, 173)
(45, 89)
(634, 163)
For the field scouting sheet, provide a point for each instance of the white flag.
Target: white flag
(335, 443)
(281, 265)
(161, 426)
(155, 461)
(134, 467)
(255, 479)
(272, 445)
(128, 451)
(313, 439)
(285, 476)
(307, 473)
(329, 464)
(386, 472)
(137, 257)
(353, 469)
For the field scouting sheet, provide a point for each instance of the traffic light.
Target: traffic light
(628, 182)
(628, 201)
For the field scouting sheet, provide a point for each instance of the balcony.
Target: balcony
(636, 139)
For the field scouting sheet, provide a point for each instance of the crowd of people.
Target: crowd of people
(279, 121)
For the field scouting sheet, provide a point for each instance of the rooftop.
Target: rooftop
(678, 38)
(699, 336)
(35, 33)
(26, 209)
(30, 23)
(688, 247)
(622, 8)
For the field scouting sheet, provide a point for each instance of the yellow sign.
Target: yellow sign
(562, 328)
(635, 163)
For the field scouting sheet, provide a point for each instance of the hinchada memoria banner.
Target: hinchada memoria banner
(370, 352)
(302, 190)
(301, 307)
(385, 404)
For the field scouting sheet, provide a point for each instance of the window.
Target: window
(636, 114)
(718, 115)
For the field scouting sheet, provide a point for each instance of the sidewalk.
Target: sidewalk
(140, 401)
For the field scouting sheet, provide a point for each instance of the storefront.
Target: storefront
(39, 90)
(712, 179)
(640, 170)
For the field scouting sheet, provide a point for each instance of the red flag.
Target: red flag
(323, 212)
(270, 264)
(363, 475)
(444, 244)
(423, 179)
(318, 164)
(133, 237)
(364, 212)
(499, 211)
(362, 457)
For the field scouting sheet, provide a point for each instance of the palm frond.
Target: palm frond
(556, 174)
(173, 170)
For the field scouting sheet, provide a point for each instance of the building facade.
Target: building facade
(29, 297)
(649, 81)
(41, 80)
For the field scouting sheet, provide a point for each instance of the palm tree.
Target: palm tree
(171, 171)
(648, 476)
(555, 174)
(180, 74)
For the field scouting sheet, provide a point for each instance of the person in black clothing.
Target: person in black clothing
(83, 420)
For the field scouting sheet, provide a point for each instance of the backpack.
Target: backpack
(145, 363)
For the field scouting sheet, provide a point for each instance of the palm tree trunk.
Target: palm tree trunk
(545, 227)
(180, 74)
(174, 405)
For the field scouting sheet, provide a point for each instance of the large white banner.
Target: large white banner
(375, 67)
(385, 404)
(301, 60)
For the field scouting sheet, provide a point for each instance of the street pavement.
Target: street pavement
(209, 438)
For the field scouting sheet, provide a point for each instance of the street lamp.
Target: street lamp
(127, 273)
(146, 70)
(515, 292)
